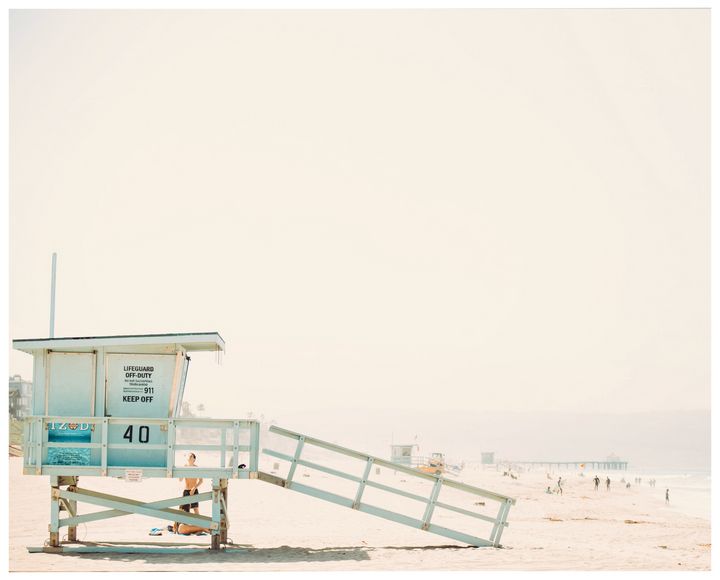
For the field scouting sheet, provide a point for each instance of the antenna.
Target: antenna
(52, 296)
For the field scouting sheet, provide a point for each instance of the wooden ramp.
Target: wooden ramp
(431, 502)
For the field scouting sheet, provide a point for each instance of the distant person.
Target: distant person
(192, 484)
(559, 484)
(627, 485)
(607, 484)
(548, 490)
(596, 479)
(667, 496)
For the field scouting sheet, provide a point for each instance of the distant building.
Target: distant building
(19, 397)
(487, 457)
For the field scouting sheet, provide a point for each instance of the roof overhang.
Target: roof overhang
(189, 341)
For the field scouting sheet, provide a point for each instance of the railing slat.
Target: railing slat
(465, 512)
(310, 464)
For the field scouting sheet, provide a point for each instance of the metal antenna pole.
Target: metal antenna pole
(52, 296)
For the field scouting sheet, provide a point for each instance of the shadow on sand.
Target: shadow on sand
(235, 553)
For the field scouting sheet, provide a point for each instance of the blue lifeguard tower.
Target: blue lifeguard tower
(109, 406)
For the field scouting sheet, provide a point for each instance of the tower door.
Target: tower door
(70, 387)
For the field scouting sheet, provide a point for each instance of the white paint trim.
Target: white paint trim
(188, 342)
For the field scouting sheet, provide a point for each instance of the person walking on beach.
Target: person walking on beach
(607, 484)
(667, 496)
(560, 485)
(192, 484)
(597, 482)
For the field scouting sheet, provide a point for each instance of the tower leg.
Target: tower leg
(224, 522)
(72, 530)
(54, 527)
(216, 514)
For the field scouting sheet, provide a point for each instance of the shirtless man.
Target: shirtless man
(192, 484)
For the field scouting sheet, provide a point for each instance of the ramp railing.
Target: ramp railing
(431, 502)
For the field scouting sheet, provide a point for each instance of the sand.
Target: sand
(274, 529)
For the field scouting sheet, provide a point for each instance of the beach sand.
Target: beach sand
(274, 529)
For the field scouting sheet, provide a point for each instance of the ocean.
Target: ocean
(689, 490)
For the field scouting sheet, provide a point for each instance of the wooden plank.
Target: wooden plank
(430, 507)
(401, 492)
(116, 550)
(320, 493)
(312, 465)
(294, 460)
(390, 515)
(465, 512)
(459, 536)
(361, 487)
(135, 507)
(503, 518)
(254, 446)
(109, 514)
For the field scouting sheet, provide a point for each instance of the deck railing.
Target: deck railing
(227, 451)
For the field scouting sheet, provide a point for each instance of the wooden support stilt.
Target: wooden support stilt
(54, 527)
(224, 523)
(216, 514)
(72, 504)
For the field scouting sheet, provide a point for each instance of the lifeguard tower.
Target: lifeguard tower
(403, 454)
(108, 406)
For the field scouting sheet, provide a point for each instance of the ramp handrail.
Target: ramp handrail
(36, 444)
(499, 521)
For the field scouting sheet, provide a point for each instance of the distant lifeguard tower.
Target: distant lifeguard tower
(109, 406)
(402, 454)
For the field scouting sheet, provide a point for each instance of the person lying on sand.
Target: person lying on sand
(186, 529)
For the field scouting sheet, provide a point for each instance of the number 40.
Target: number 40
(143, 434)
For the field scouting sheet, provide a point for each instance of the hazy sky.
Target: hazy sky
(476, 209)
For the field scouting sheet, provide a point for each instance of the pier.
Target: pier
(613, 465)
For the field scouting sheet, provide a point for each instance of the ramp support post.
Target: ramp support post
(502, 517)
(293, 465)
(430, 508)
(361, 487)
